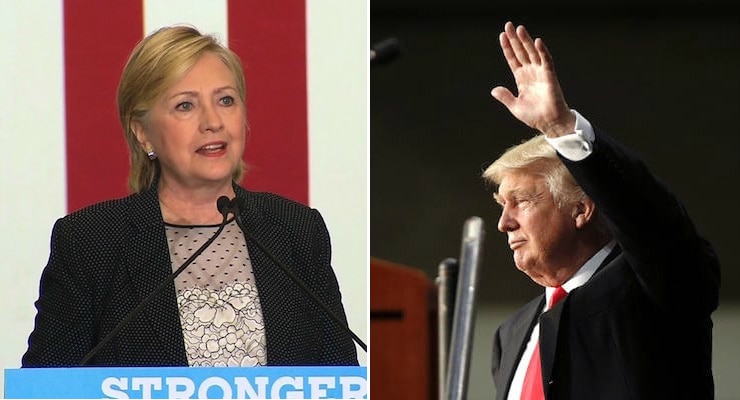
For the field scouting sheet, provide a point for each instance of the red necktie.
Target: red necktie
(532, 388)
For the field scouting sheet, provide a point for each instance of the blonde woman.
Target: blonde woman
(181, 101)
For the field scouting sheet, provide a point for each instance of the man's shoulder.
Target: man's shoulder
(524, 314)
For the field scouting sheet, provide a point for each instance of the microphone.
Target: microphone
(234, 208)
(136, 311)
(384, 51)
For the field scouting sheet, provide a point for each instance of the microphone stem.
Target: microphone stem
(92, 353)
(298, 282)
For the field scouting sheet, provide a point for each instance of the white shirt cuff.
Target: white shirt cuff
(577, 145)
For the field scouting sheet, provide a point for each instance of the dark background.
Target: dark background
(660, 77)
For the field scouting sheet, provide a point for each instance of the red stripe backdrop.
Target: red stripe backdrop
(269, 38)
(97, 41)
(271, 41)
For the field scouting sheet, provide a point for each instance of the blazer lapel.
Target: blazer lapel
(278, 295)
(148, 261)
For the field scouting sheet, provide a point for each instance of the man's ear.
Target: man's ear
(584, 212)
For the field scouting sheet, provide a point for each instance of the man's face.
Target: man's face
(542, 236)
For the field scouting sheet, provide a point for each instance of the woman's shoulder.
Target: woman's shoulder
(277, 210)
(273, 203)
(105, 212)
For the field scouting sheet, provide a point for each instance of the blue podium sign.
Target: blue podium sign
(187, 383)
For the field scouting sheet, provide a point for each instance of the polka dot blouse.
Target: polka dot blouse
(217, 297)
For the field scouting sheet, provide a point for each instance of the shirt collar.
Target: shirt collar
(585, 272)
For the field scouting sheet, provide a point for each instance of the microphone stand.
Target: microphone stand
(384, 51)
(92, 353)
(461, 341)
(234, 208)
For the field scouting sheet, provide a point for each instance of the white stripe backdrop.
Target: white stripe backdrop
(32, 170)
(208, 16)
(338, 143)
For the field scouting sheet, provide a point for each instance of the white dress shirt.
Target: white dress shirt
(580, 278)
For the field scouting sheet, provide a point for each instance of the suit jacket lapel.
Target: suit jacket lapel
(521, 330)
(149, 264)
(276, 292)
(550, 324)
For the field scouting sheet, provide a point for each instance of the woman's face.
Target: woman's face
(198, 128)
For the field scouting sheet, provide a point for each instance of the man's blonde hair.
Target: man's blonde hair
(156, 63)
(536, 156)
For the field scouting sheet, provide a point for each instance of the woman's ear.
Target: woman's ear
(141, 135)
(584, 212)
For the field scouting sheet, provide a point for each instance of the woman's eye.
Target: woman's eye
(227, 101)
(184, 106)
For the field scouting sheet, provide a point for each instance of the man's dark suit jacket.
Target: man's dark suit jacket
(641, 327)
(107, 257)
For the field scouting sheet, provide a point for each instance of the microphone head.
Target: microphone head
(223, 204)
(234, 205)
(385, 50)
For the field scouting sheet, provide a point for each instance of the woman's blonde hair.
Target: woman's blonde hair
(156, 63)
(538, 157)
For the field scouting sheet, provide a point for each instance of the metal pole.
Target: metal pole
(446, 287)
(464, 317)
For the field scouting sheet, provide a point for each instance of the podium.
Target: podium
(422, 332)
(187, 382)
(403, 331)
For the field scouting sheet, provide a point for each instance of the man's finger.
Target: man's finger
(508, 52)
(503, 95)
(516, 44)
(528, 44)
